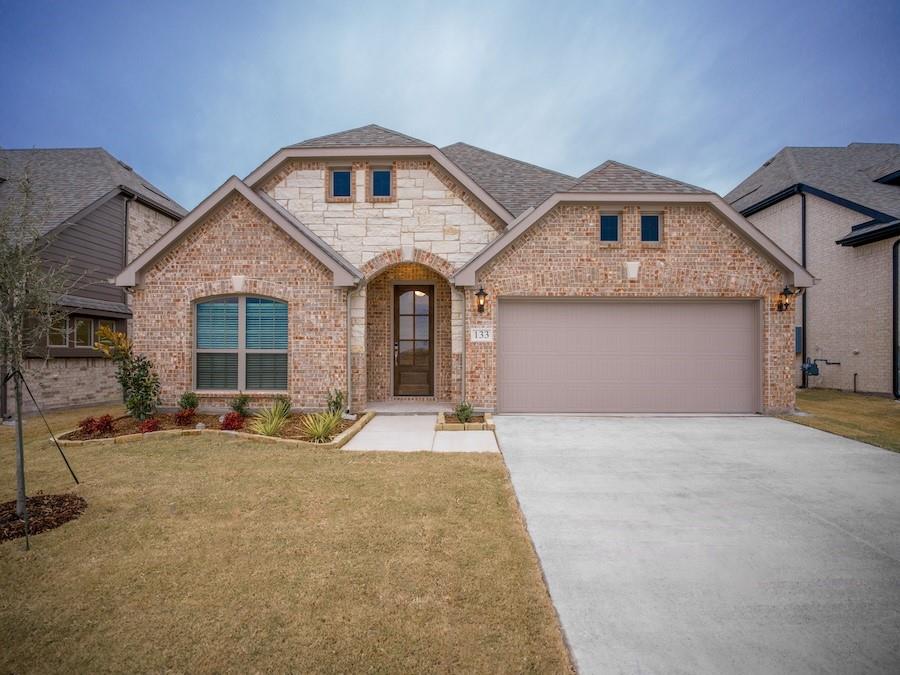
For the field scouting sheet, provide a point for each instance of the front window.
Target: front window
(609, 227)
(340, 182)
(242, 344)
(650, 228)
(59, 333)
(381, 182)
(84, 332)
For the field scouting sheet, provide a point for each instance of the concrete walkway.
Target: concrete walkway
(415, 433)
(713, 545)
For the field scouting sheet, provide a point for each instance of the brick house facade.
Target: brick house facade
(342, 263)
(832, 209)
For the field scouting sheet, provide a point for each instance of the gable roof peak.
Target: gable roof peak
(368, 136)
(615, 176)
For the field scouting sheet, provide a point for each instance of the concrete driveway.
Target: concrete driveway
(712, 544)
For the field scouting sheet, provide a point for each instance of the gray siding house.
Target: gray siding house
(96, 215)
(837, 211)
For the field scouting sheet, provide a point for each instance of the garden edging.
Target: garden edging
(443, 425)
(336, 443)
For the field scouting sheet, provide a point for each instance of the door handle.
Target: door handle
(396, 353)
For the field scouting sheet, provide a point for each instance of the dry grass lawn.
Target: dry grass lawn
(866, 418)
(212, 555)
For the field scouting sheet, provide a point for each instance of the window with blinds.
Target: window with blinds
(241, 344)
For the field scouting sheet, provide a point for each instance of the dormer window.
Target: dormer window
(651, 228)
(340, 186)
(609, 228)
(381, 184)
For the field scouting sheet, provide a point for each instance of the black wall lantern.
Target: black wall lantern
(481, 296)
(786, 298)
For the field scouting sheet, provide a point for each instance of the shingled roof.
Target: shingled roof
(850, 173)
(67, 180)
(516, 184)
(369, 136)
(612, 176)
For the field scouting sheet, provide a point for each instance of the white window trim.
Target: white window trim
(241, 350)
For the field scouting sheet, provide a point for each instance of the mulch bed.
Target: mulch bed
(122, 426)
(45, 512)
(453, 419)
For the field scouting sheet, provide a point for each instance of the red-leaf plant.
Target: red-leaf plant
(233, 421)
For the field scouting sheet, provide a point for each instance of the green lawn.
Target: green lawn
(203, 554)
(862, 417)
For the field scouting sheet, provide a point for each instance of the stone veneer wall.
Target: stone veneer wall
(68, 382)
(701, 256)
(431, 212)
(145, 226)
(236, 239)
(380, 329)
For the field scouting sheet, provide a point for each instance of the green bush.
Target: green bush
(321, 427)
(464, 411)
(269, 421)
(336, 402)
(189, 401)
(240, 404)
(141, 386)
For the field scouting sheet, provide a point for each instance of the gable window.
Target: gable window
(83, 332)
(609, 227)
(341, 183)
(241, 344)
(58, 336)
(651, 228)
(381, 182)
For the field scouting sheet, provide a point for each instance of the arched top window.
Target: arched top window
(241, 344)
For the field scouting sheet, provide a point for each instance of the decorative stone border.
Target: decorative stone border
(336, 443)
(444, 425)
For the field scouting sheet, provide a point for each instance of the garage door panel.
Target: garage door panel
(584, 356)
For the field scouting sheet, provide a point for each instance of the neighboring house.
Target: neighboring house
(836, 210)
(96, 215)
(379, 264)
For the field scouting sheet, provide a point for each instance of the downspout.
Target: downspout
(3, 403)
(805, 380)
(895, 282)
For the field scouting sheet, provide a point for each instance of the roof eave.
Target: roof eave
(798, 275)
(266, 168)
(132, 275)
(885, 231)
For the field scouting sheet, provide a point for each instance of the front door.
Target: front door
(413, 340)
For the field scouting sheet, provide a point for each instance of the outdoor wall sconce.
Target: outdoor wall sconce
(481, 296)
(786, 298)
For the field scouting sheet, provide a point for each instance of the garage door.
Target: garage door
(611, 356)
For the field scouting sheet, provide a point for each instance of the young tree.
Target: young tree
(29, 294)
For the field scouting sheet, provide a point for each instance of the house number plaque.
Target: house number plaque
(482, 335)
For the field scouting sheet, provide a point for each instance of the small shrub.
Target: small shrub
(142, 389)
(185, 417)
(148, 425)
(336, 401)
(464, 411)
(233, 421)
(284, 402)
(92, 426)
(240, 405)
(320, 427)
(269, 421)
(189, 401)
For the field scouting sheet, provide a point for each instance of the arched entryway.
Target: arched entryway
(408, 334)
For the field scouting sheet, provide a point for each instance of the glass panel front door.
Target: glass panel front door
(413, 341)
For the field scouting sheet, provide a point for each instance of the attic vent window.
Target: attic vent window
(340, 182)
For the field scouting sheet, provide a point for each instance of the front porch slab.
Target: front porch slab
(399, 406)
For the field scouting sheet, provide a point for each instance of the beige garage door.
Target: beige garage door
(612, 356)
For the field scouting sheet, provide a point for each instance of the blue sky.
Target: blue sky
(192, 92)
